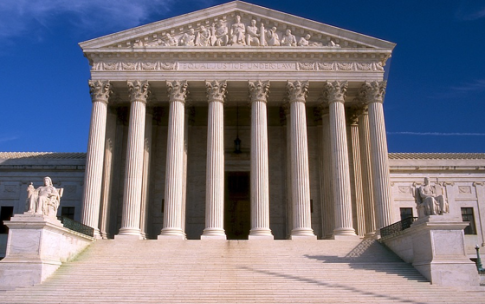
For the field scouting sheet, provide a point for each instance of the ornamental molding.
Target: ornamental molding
(236, 24)
(156, 66)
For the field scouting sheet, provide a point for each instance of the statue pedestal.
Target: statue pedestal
(37, 246)
(435, 245)
(439, 251)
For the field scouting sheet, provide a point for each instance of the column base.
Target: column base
(343, 232)
(260, 234)
(172, 233)
(213, 234)
(303, 234)
(129, 233)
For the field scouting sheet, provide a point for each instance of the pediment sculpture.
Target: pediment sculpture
(235, 33)
(430, 200)
(44, 200)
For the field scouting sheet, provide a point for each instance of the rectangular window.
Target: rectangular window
(6, 213)
(467, 216)
(68, 212)
(406, 212)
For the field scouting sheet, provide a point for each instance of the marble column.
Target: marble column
(172, 218)
(259, 162)
(372, 93)
(145, 187)
(328, 202)
(289, 203)
(108, 174)
(130, 220)
(100, 91)
(356, 171)
(334, 93)
(214, 194)
(300, 175)
(367, 186)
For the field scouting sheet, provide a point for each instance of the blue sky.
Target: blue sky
(435, 99)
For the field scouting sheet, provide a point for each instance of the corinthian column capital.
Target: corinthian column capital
(216, 90)
(297, 91)
(177, 91)
(99, 90)
(259, 90)
(138, 90)
(373, 91)
(334, 91)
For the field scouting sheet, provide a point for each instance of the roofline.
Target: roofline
(226, 8)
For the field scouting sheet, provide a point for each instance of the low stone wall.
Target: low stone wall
(37, 246)
(435, 245)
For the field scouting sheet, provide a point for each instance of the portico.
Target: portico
(165, 118)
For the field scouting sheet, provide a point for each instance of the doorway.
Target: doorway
(237, 206)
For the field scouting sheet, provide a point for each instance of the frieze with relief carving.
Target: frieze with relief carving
(145, 65)
(236, 30)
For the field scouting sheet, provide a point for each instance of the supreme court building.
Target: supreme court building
(238, 122)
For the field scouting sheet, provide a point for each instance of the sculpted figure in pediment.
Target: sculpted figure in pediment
(288, 39)
(169, 40)
(238, 31)
(272, 37)
(188, 39)
(252, 34)
(203, 37)
(221, 34)
(305, 41)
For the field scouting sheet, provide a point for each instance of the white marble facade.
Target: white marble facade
(306, 101)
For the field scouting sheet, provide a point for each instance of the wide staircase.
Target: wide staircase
(123, 271)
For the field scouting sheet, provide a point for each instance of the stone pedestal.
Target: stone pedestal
(435, 245)
(37, 246)
(439, 252)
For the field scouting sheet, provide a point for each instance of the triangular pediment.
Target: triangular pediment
(236, 24)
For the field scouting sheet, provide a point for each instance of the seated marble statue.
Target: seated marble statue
(43, 200)
(430, 200)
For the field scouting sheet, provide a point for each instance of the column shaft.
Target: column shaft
(95, 155)
(367, 187)
(259, 162)
(107, 175)
(214, 210)
(340, 170)
(146, 174)
(356, 178)
(172, 219)
(328, 201)
(289, 203)
(380, 165)
(300, 176)
(130, 221)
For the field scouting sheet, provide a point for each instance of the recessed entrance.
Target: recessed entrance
(237, 206)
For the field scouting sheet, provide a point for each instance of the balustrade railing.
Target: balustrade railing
(398, 226)
(76, 226)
